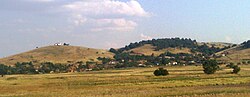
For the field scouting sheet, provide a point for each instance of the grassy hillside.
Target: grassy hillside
(57, 54)
(235, 54)
(216, 44)
(148, 49)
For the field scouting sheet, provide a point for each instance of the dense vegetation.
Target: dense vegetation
(210, 66)
(46, 67)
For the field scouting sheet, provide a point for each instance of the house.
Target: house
(61, 44)
(142, 65)
(113, 62)
(172, 63)
(58, 44)
(175, 63)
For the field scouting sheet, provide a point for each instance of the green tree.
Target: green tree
(3, 69)
(161, 72)
(236, 69)
(25, 68)
(210, 66)
(46, 67)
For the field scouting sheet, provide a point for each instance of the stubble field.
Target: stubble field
(133, 82)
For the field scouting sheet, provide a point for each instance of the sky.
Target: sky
(104, 24)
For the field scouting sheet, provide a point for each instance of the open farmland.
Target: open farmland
(182, 81)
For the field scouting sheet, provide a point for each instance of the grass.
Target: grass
(57, 54)
(236, 55)
(148, 49)
(139, 82)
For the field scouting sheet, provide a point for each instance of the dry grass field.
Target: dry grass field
(236, 55)
(57, 54)
(148, 49)
(133, 82)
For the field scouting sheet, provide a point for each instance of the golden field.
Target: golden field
(133, 82)
(57, 54)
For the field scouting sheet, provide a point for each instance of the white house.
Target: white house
(58, 44)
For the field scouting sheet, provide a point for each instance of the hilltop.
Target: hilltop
(57, 54)
(172, 45)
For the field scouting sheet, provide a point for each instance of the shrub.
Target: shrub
(236, 69)
(210, 66)
(161, 72)
(157, 72)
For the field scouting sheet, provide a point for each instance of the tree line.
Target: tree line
(45, 67)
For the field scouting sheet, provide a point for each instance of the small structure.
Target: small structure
(142, 65)
(58, 44)
(61, 44)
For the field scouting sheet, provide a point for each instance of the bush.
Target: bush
(157, 72)
(236, 69)
(248, 62)
(210, 66)
(161, 72)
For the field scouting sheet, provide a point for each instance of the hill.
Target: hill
(57, 54)
(173, 45)
(148, 49)
(240, 53)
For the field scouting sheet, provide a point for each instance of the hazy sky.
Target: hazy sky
(26, 24)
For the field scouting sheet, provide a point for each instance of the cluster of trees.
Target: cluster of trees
(46, 67)
(4, 69)
(30, 68)
(211, 66)
(246, 44)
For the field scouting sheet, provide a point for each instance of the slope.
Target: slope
(57, 54)
(234, 54)
(148, 49)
